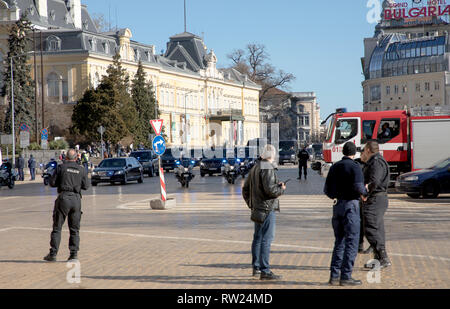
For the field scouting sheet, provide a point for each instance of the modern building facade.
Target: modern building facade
(200, 103)
(406, 63)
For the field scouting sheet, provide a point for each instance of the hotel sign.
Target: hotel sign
(430, 8)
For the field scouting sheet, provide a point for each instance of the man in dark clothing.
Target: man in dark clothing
(361, 211)
(376, 177)
(261, 191)
(70, 178)
(32, 167)
(345, 183)
(20, 167)
(303, 157)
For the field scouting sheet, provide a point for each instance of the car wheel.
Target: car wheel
(94, 184)
(202, 175)
(414, 195)
(45, 182)
(210, 175)
(141, 179)
(125, 180)
(430, 190)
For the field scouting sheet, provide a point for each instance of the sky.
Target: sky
(321, 42)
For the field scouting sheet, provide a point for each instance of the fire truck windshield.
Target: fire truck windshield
(346, 129)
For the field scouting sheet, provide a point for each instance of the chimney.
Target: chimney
(74, 7)
(41, 6)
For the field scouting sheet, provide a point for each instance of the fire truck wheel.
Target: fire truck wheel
(430, 190)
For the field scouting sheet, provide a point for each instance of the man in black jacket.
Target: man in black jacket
(70, 178)
(376, 177)
(345, 184)
(261, 191)
(303, 157)
(20, 167)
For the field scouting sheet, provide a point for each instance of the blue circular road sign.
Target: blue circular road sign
(159, 145)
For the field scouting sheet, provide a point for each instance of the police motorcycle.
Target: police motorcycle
(49, 170)
(232, 169)
(183, 171)
(7, 175)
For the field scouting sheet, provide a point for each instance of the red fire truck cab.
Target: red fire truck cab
(407, 143)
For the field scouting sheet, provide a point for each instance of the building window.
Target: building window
(375, 93)
(436, 86)
(427, 86)
(53, 43)
(417, 87)
(388, 90)
(396, 89)
(57, 89)
(405, 89)
(106, 47)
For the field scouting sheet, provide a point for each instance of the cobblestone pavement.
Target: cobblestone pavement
(205, 241)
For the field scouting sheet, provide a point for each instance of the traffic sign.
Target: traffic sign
(44, 134)
(6, 139)
(159, 145)
(24, 127)
(157, 125)
(24, 139)
(44, 144)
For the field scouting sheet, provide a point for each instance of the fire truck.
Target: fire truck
(408, 143)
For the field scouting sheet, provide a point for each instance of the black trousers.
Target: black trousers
(302, 166)
(374, 210)
(361, 232)
(67, 205)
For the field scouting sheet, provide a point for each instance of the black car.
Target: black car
(118, 170)
(145, 157)
(167, 162)
(211, 166)
(288, 152)
(428, 183)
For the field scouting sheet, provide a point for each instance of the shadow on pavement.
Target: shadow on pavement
(271, 252)
(203, 280)
(248, 266)
(23, 262)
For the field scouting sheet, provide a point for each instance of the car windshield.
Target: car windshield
(441, 164)
(287, 147)
(142, 156)
(113, 163)
(167, 154)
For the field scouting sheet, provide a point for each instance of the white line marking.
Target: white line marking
(439, 258)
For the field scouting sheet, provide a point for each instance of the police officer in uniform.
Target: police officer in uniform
(345, 184)
(70, 178)
(303, 157)
(376, 177)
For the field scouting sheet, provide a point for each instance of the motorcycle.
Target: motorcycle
(7, 175)
(232, 170)
(49, 169)
(183, 172)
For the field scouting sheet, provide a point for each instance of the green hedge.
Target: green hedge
(58, 145)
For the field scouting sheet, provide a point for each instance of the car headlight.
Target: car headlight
(412, 178)
(119, 172)
(94, 173)
(231, 167)
(202, 164)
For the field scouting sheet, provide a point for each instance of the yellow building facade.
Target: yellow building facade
(199, 103)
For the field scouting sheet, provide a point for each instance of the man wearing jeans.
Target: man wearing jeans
(261, 191)
(345, 184)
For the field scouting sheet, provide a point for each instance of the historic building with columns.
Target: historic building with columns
(212, 106)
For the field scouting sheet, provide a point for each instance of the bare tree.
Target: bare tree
(100, 22)
(254, 62)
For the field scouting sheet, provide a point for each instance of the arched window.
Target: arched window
(53, 43)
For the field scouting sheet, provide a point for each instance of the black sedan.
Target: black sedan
(118, 170)
(212, 166)
(428, 183)
(145, 157)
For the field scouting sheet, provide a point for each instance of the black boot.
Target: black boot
(384, 259)
(50, 257)
(73, 256)
(368, 250)
(376, 256)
